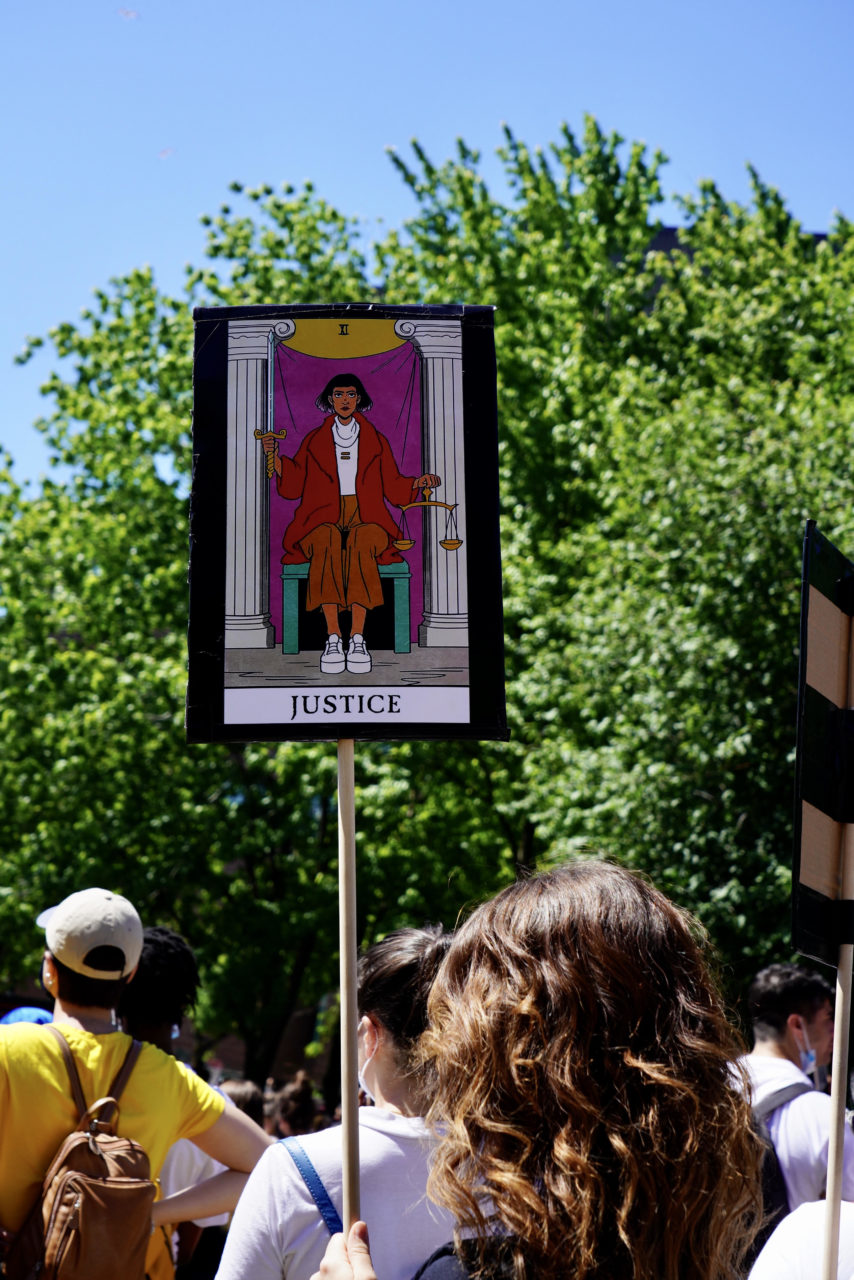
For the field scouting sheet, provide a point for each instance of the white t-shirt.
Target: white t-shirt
(799, 1130)
(186, 1165)
(277, 1229)
(346, 454)
(796, 1247)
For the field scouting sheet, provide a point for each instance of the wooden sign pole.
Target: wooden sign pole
(349, 1008)
(838, 1090)
(842, 1024)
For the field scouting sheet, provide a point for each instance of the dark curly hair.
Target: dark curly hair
(584, 1106)
(165, 985)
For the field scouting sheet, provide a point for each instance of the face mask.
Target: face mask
(361, 1079)
(807, 1055)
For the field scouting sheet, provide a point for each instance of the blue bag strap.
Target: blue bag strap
(311, 1178)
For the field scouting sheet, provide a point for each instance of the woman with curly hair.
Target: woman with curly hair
(587, 1122)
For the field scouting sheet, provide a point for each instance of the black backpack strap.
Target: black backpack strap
(775, 1197)
(115, 1090)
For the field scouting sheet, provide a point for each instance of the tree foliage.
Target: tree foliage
(668, 420)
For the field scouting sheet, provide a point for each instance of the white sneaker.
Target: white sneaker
(332, 659)
(358, 658)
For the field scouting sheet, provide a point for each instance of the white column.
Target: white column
(247, 588)
(439, 343)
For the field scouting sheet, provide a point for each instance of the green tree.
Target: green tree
(235, 846)
(667, 423)
(730, 429)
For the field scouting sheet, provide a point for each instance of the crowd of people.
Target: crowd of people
(556, 1090)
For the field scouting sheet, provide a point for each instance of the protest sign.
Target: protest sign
(345, 484)
(345, 570)
(823, 870)
(824, 803)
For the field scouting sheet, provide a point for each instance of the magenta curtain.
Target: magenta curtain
(392, 381)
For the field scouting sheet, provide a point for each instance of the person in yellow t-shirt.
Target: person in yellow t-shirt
(94, 940)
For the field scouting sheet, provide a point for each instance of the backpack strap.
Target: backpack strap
(116, 1087)
(76, 1087)
(311, 1178)
(780, 1097)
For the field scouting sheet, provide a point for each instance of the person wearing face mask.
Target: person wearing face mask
(278, 1229)
(791, 1010)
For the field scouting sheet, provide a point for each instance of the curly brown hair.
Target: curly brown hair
(585, 1109)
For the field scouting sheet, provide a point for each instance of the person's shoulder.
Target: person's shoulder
(442, 1265)
(770, 1077)
(278, 1167)
(191, 1078)
(315, 1144)
(450, 1263)
(392, 1123)
(160, 1065)
(86, 1047)
(765, 1069)
(790, 1249)
(26, 1033)
(20, 1041)
(808, 1218)
(158, 1059)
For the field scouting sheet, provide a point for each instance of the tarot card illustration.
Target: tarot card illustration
(348, 548)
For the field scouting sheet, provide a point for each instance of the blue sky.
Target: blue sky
(123, 124)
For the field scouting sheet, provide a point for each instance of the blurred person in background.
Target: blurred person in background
(202, 1262)
(296, 1108)
(152, 1008)
(791, 1011)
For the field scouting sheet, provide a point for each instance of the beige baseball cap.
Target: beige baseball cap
(89, 919)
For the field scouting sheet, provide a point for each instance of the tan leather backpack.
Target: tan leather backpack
(92, 1220)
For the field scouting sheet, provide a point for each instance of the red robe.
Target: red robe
(312, 476)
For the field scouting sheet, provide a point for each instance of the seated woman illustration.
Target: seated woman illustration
(342, 474)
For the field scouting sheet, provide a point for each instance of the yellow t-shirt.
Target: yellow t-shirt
(162, 1102)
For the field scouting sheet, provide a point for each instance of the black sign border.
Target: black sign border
(207, 571)
(819, 923)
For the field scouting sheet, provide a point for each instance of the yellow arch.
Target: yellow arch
(341, 338)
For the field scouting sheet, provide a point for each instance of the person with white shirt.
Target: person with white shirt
(343, 473)
(796, 1248)
(791, 1010)
(285, 1215)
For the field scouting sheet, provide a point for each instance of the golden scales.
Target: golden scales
(450, 541)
